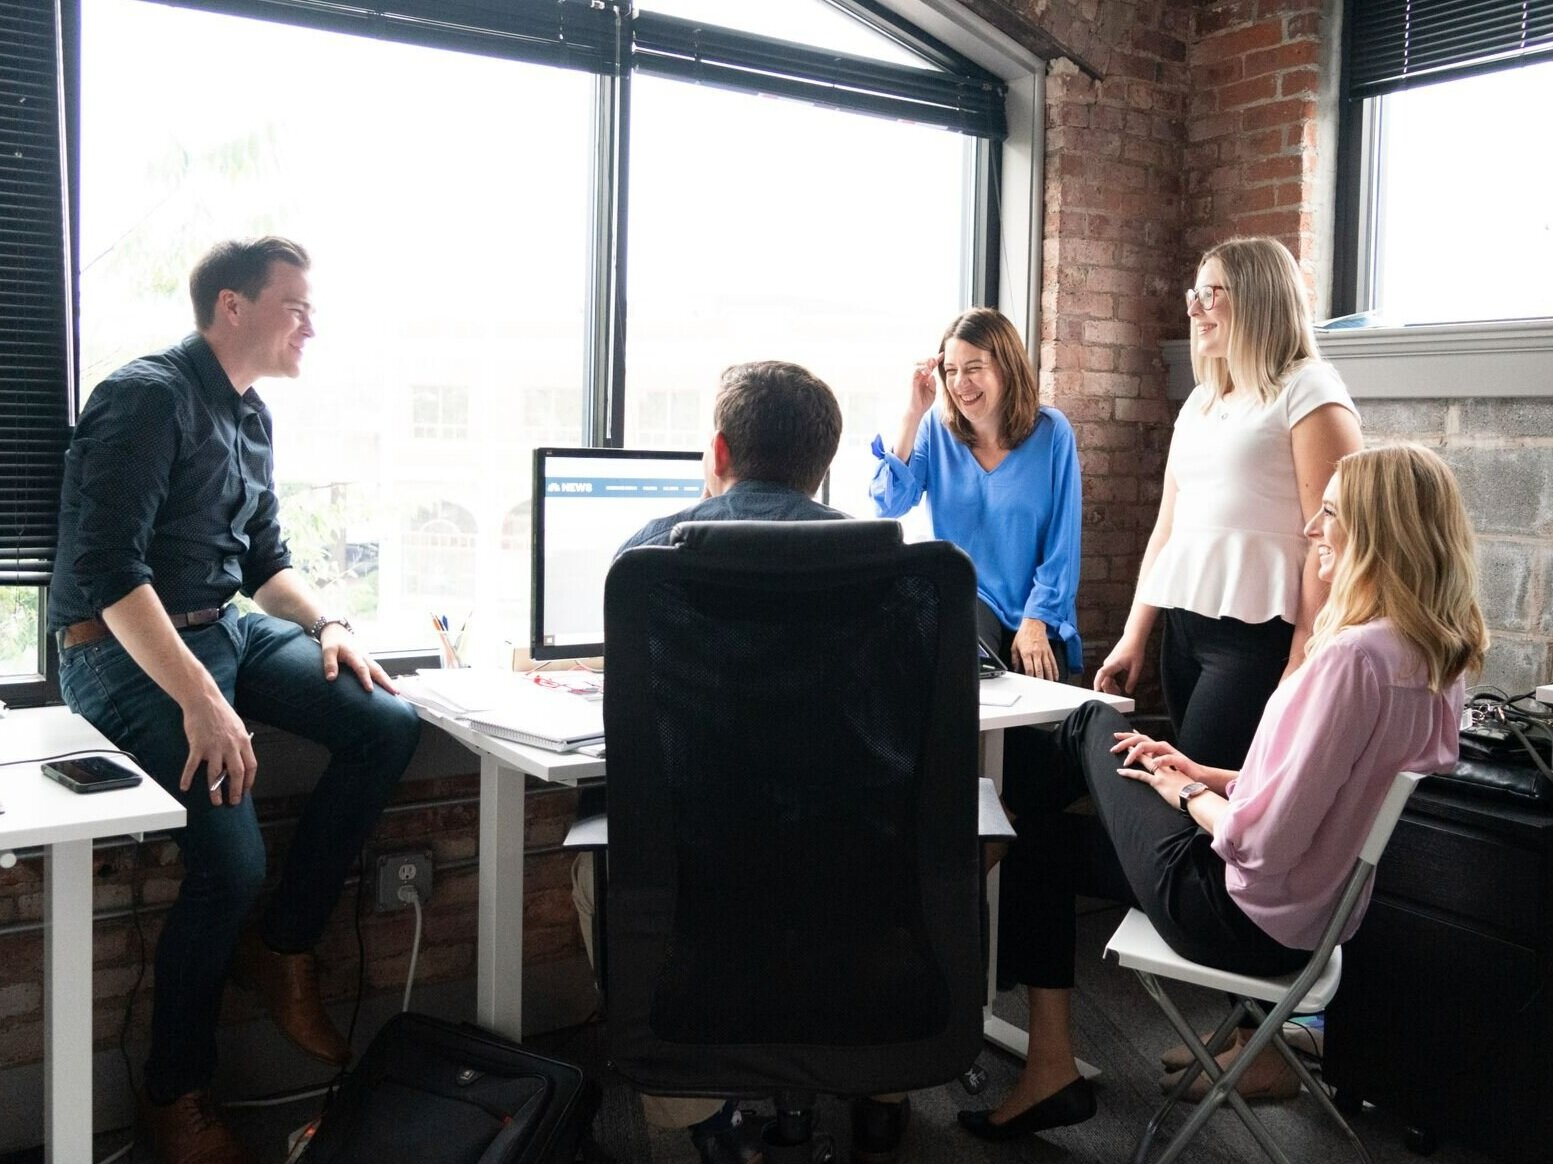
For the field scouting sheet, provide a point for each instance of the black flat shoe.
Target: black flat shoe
(1073, 1104)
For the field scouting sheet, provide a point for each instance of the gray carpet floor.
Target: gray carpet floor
(1118, 1028)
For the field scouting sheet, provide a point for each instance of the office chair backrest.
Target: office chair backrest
(794, 870)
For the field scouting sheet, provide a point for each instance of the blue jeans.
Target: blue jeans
(270, 671)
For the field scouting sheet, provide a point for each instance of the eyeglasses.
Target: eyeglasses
(1207, 295)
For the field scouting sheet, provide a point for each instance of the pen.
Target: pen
(221, 779)
(439, 623)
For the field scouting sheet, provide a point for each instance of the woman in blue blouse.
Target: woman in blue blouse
(1002, 477)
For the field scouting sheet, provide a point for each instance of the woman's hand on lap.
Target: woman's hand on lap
(1141, 752)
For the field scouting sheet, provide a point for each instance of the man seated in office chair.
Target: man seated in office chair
(777, 428)
(168, 510)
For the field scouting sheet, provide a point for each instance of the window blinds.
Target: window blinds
(1395, 44)
(34, 336)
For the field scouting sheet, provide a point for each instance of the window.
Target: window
(34, 344)
(458, 191)
(1446, 114)
(439, 549)
(806, 234)
(439, 414)
(428, 335)
(19, 647)
(1491, 187)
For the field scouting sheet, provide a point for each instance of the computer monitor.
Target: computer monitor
(586, 503)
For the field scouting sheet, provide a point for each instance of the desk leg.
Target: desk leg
(992, 769)
(996, 1031)
(67, 1006)
(499, 956)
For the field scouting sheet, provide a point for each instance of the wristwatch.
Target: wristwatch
(1195, 788)
(323, 620)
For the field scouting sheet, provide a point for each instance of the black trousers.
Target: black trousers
(1143, 851)
(1218, 674)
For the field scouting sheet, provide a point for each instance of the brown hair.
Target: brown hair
(1020, 408)
(241, 265)
(781, 422)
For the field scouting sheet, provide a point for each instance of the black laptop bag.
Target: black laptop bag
(436, 1092)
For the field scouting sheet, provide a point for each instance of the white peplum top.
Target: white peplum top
(1237, 544)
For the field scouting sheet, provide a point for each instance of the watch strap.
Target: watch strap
(1187, 792)
(317, 629)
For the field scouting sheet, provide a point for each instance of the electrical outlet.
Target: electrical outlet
(402, 877)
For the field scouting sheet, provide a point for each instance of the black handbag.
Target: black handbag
(1506, 749)
(443, 1093)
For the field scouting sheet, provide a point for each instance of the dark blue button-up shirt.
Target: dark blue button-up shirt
(169, 480)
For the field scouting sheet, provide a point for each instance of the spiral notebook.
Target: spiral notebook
(542, 718)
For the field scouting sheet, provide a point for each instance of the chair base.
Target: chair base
(790, 1138)
(1269, 1032)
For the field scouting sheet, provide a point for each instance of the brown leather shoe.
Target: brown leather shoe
(287, 985)
(189, 1130)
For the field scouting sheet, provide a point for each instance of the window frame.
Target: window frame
(1004, 253)
(1361, 129)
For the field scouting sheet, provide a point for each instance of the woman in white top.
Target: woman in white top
(1253, 449)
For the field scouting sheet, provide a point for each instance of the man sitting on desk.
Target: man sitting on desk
(776, 431)
(168, 509)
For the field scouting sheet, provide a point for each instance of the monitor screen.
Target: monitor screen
(586, 503)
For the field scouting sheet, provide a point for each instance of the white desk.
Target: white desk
(499, 944)
(503, 766)
(1040, 702)
(41, 812)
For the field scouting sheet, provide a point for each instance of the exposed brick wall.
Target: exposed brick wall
(441, 815)
(1110, 270)
(1251, 149)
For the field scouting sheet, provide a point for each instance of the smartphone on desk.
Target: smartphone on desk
(90, 774)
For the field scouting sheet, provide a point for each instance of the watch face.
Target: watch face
(1187, 792)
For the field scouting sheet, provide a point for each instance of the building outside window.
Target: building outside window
(439, 414)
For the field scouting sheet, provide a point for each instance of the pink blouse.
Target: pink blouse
(1333, 736)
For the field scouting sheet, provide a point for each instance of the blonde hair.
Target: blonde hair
(991, 331)
(1270, 329)
(1409, 559)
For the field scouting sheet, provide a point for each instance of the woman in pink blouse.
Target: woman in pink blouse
(1241, 869)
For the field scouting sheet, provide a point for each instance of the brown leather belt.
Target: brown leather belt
(89, 630)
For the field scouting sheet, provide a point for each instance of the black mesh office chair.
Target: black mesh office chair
(794, 865)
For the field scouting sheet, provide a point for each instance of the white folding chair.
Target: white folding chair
(1139, 948)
